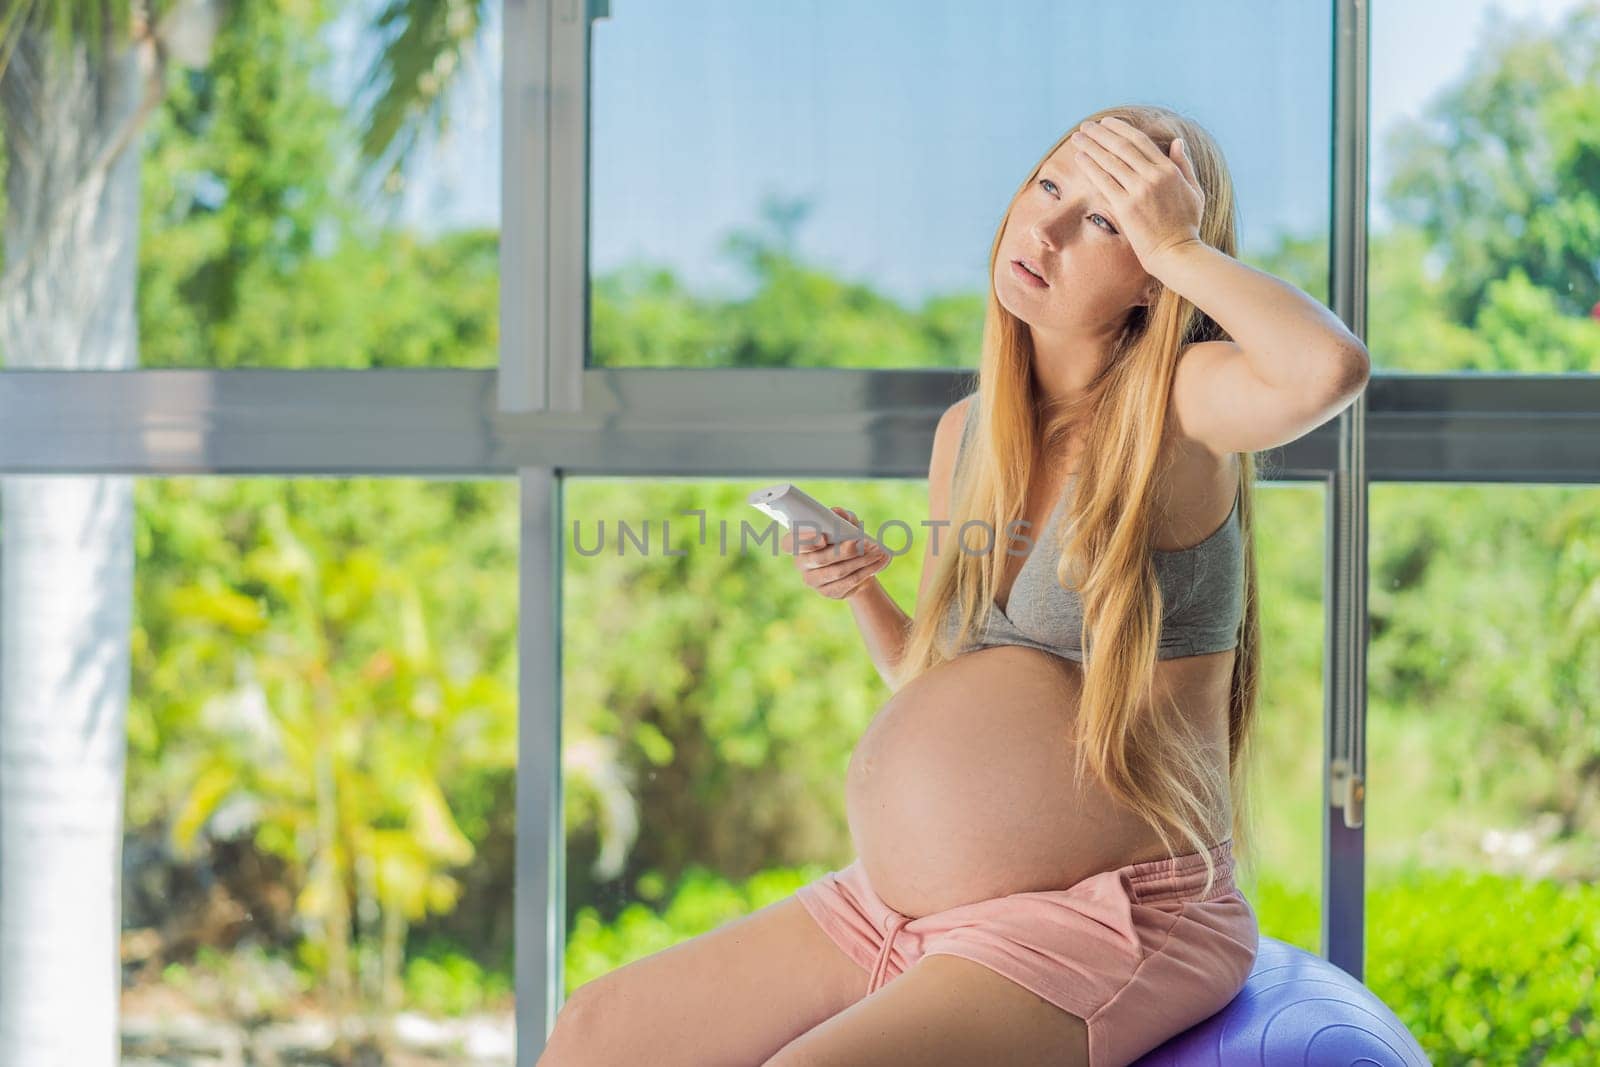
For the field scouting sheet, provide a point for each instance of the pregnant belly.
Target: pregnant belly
(962, 788)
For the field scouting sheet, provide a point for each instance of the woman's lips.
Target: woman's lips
(1028, 276)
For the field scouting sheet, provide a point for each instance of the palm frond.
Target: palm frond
(427, 40)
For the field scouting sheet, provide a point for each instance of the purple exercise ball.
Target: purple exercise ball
(1295, 1008)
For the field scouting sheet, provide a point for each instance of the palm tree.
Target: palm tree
(78, 78)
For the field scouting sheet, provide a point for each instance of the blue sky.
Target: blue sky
(906, 124)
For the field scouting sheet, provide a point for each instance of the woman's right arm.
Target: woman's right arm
(883, 625)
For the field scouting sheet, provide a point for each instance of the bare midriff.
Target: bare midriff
(962, 788)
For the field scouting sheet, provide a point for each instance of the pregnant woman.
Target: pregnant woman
(1045, 811)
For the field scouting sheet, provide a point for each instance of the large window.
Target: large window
(351, 646)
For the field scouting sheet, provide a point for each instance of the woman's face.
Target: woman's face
(1062, 227)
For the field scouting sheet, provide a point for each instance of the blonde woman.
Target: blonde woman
(1048, 811)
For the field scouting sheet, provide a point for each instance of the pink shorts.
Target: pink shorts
(1135, 952)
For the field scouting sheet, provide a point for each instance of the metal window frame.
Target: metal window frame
(837, 423)
(542, 415)
(1344, 705)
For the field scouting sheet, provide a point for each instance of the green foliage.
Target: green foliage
(303, 657)
(1494, 716)
(1503, 170)
(440, 980)
(424, 43)
(254, 248)
(238, 177)
(1486, 969)
(701, 902)
(796, 316)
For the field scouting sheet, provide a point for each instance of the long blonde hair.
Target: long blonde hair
(1148, 757)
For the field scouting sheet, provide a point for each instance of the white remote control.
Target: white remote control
(791, 505)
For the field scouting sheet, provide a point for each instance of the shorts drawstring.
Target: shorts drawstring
(882, 965)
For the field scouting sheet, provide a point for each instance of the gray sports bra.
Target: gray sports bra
(1202, 589)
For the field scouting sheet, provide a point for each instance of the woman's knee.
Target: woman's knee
(576, 1040)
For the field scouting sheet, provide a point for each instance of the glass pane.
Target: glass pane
(243, 230)
(713, 702)
(710, 704)
(1483, 826)
(819, 185)
(312, 683)
(1291, 562)
(1485, 209)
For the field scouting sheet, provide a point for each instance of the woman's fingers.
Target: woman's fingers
(806, 538)
(847, 583)
(834, 567)
(830, 554)
(827, 570)
(850, 575)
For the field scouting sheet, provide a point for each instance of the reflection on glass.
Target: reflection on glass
(1485, 188)
(802, 185)
(1483, 817)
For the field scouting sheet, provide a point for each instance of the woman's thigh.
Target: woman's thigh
(733, 995)
(944, 1010)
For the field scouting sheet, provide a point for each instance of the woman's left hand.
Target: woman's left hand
(1155, 196)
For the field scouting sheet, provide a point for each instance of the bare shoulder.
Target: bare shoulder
(947, 439)
(941, 472)
(956, 414)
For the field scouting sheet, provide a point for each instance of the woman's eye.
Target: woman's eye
(1051, 188)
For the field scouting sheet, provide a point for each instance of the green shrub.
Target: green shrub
(702, 902)
(1486, 968)
(441, 981)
